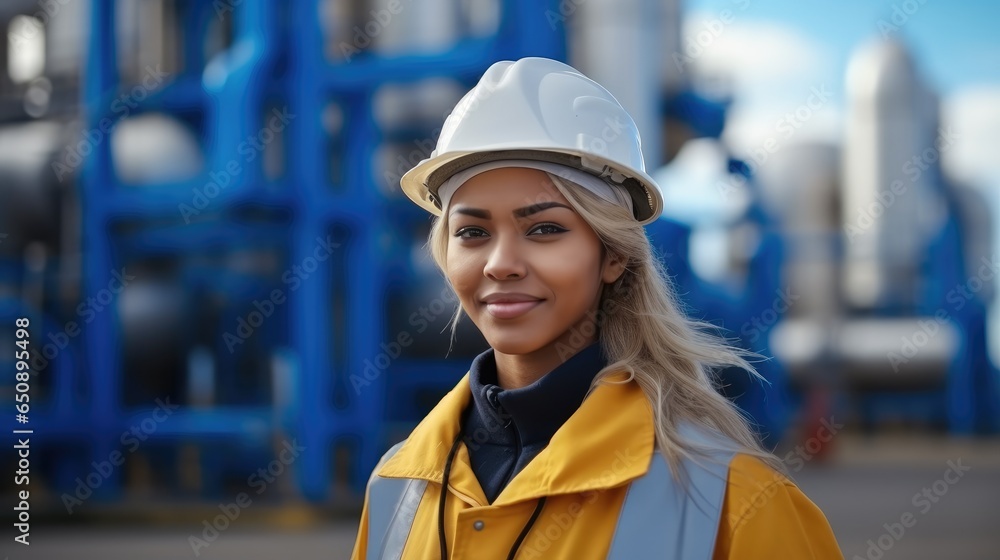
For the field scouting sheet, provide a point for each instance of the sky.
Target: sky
(779, 50)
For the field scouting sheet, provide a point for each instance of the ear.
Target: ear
(613, 268)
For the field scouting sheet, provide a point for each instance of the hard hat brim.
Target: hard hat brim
(420, 184)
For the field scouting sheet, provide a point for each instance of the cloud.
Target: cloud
(773, 71)
(755, 55)
(974, 114)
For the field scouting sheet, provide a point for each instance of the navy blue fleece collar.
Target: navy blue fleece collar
(537, 410)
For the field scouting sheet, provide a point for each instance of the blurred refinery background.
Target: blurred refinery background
(229, 295)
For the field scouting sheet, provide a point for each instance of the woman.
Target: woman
(590, 428)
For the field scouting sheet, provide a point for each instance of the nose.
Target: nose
(505, 261)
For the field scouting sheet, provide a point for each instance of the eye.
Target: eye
(547, 229)
(473, 232)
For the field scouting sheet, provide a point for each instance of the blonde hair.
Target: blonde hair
(643, 331)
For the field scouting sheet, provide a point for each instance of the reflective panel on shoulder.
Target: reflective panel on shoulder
(392, 506)
(659, 520)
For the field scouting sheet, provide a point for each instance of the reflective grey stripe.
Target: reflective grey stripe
(396, 501)
(659, 520)
(392, 506)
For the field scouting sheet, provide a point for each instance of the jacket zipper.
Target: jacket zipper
(517, 458)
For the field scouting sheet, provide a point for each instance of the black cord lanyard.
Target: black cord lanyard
(444, 495)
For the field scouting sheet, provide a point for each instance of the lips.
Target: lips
(511, 309)
(510, 306)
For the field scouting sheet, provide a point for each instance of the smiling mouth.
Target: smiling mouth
(511, 309)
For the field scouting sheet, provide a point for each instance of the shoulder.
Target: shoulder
(765, 515)
(752, 481)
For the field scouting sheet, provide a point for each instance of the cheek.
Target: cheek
(463, 273)
(576, 265)
(573, 275)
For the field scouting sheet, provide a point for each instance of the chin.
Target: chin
(514, 343)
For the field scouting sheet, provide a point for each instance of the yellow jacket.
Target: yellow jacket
(585, 470)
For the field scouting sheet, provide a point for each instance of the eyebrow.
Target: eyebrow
(520, 212)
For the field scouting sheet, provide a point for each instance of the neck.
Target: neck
(520, 370)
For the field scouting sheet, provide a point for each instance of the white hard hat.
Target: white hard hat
(538, 109)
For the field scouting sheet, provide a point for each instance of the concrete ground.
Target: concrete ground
(867, 484)
(870, 483)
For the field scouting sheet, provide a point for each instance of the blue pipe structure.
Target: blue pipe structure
(327, 329)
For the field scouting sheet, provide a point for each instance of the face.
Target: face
(526, 266)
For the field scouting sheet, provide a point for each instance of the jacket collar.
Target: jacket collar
(606, 442)
(535, 411)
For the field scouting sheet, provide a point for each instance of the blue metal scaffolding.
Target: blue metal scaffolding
(333, 320)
